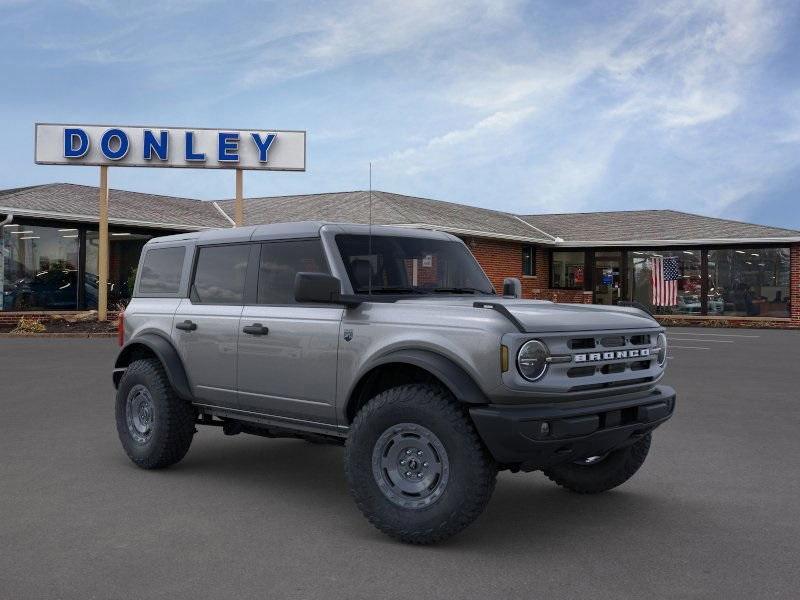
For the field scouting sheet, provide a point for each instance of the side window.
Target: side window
(219, 275)
(280, 262)
(161, 271)
(529, 260)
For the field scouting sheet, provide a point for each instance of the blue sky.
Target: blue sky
(520, 106)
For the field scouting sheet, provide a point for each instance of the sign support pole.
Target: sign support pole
(239, 208)
(102, 255)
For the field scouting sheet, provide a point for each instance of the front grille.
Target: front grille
(581, 344)
(609, 359)
(582, 361)
(611, 384)
(581, 371)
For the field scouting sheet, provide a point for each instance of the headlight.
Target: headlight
(661, 349)
(532, 360)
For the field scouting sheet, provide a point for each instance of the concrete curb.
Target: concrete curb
(57, 335)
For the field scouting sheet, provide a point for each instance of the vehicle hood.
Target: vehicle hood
(544, 316)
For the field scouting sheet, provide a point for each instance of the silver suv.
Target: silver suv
(393, 342)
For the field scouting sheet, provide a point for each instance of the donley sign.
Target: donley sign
(178, 147)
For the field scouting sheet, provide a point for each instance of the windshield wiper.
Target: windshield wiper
(389, 290)
(459, 290)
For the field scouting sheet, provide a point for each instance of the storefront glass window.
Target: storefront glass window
(569, 270)
(39, 268)
(125, 247)
(666, 281)
(746, 282)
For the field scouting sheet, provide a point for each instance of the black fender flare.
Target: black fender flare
(165, 352)
(454, 377)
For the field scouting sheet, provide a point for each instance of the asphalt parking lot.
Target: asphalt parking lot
(714, 512)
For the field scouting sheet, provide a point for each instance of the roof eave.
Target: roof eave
(473, 232)
(681, 242)
(94, 219)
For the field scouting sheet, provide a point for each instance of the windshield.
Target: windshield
(409, 265)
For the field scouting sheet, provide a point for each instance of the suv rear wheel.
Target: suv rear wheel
(154, 425)
(415, 465)
(601, 473)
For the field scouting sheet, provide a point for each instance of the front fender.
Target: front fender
(166, 353)
(456, 379)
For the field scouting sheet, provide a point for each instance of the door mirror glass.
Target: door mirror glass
(512, 287)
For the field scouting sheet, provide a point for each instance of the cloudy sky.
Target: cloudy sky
(522, 106)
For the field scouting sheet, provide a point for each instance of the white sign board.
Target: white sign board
(189, 148)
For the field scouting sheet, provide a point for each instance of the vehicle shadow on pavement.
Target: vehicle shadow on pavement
(526, 509)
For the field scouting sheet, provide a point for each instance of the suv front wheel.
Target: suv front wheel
(416, 466)
(601, 473)
(154, 425)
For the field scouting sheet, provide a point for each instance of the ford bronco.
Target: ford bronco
(393, 342)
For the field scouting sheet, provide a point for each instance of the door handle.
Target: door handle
(187, 325)
(255, 329)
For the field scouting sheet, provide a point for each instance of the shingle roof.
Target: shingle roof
(650, 225)
(387, 209)
(79, 202)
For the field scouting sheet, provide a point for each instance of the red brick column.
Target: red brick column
(794, 283)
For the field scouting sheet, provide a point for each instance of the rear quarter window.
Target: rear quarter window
(161, 271)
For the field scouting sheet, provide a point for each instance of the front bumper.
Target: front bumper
(543, 435)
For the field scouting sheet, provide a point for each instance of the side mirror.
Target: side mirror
(512, 287)
(321, 287)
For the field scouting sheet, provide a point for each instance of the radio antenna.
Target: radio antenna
(369, 252)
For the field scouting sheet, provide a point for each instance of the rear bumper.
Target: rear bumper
(540, 436)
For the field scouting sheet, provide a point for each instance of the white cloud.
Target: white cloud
(332, 37)
(475, 144)
(669, 70)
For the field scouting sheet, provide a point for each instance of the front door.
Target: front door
(607, 277)
(288, 351)
(206, 325)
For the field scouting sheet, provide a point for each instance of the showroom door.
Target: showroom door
(607, 277)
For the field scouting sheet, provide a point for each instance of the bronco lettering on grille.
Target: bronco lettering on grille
(616, 355)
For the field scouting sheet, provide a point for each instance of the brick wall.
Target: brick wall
(794, 283)
(501, 259)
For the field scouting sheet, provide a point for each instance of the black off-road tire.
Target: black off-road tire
(470, 476)
(609, 472)
(172, 419)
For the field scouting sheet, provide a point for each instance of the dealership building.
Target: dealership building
(715, 271)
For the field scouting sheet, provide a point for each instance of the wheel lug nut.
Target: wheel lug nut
(424, 464)
(402, 462)
(408, 451)
(419, 475)
(408, 473)
(419, 452)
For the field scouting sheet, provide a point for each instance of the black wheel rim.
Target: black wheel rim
(410, 465)
(139, 413)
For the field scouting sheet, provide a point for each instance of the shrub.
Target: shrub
(25, 325)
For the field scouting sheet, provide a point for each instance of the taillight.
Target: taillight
(121, 328)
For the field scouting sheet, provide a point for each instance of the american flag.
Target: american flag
(664, 277)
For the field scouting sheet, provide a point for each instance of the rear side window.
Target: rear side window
(220, 274)
(280, 262)
(161, 271)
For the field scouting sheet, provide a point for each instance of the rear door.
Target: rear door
(206, 325)
(288, 351)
